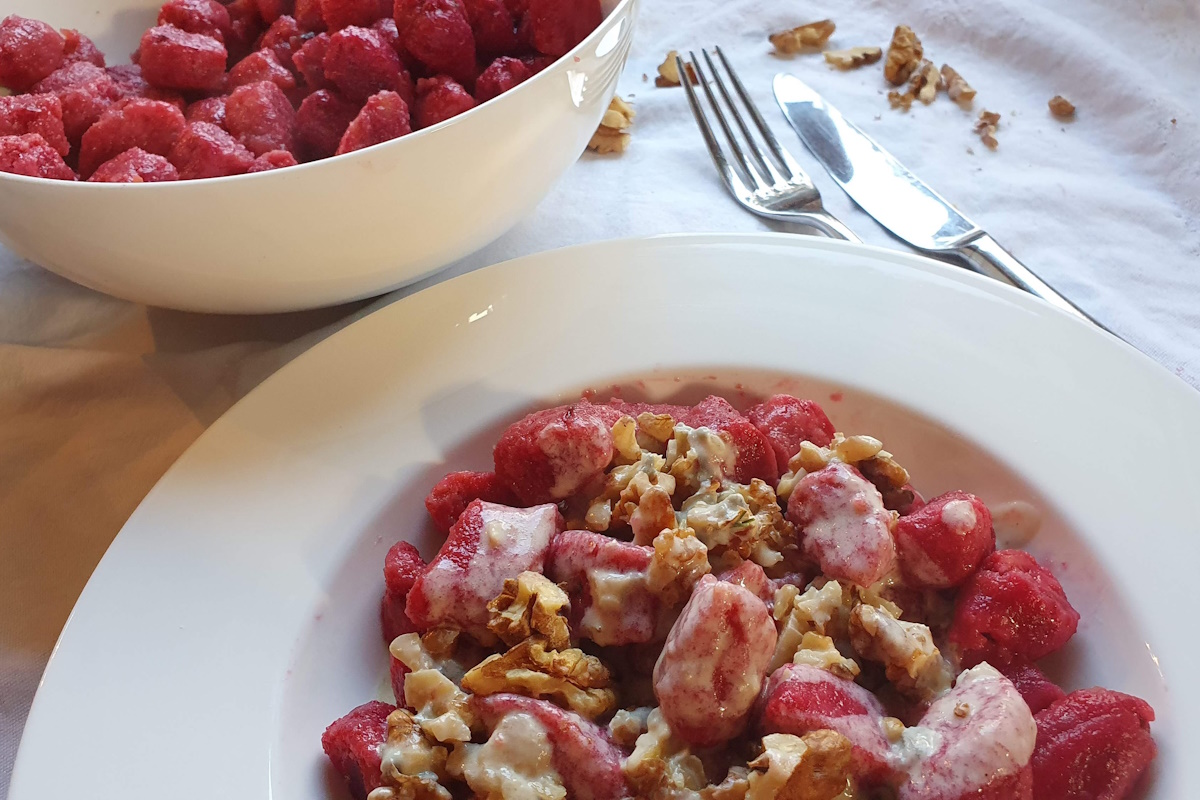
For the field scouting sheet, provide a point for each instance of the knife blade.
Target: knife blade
(897, 199)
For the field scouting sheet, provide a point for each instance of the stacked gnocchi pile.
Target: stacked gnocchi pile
(660, 601)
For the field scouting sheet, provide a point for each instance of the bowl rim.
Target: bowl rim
(599, 31)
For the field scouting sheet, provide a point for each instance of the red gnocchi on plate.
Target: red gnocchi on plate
(665, 601)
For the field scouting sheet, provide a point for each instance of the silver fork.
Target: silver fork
(781, 189)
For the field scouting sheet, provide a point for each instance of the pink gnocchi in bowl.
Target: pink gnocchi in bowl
(669, 601)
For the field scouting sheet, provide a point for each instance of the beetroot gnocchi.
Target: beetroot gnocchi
(290, 81)
(665, 601)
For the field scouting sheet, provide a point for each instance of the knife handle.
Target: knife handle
(987, 256)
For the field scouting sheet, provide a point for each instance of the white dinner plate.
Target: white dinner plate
(237, 612)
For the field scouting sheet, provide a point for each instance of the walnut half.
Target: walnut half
(613, 136)
(569, 677)
(668, 72)
(810, 36)
(957, 88)
(854, 57)
(531, 603)
(816, 766)
(903, 56)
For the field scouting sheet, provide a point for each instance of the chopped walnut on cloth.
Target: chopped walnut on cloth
(901, 100)
(925, 82)
(854, 57)
(570, 677)
(986, 127)
(904, 55)
(613, 134)
(957, 88)
(811, 36)
(1061, 107)
(816, 766)
(668, 72)
(531, 604)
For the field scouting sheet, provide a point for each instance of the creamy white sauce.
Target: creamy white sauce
(516, 762)
(1016, 523)
(610, 592)
(850, 538)
(986, 730)
(916, 743)
(712, 515)
(575, 458)
(439, 704)
(411, 756)
(959, 516)
(714, 455)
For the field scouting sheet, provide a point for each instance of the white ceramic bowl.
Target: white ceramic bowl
(323, 233)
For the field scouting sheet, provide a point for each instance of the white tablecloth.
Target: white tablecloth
(99, 396)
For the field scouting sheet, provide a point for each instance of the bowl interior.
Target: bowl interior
(340, 660)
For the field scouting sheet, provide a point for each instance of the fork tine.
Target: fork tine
(734, 146)
(755, 151)
(785, 158)
(728, 174)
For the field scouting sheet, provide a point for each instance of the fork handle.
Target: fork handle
(987, 256)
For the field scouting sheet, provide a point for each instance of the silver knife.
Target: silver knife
(896, 198)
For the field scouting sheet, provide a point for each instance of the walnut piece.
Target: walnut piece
(819, 610)
(680, 559)
(531, 603)
(624, 490)
(815, 766)
(957, 88)
(903, 55)
(1061, 107)
(443, 709)
(820, 652)
(810, 36)
(854, 57)
(435, 650)
(901, 100)
(739, 523)
(569, 677)
(612, 136)
(668, 72)
(628, 724)
(411, 764)
(735, 786)
(986, 127)
(662, 766)
(912, 662)
(925, 82)
(864, 452)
